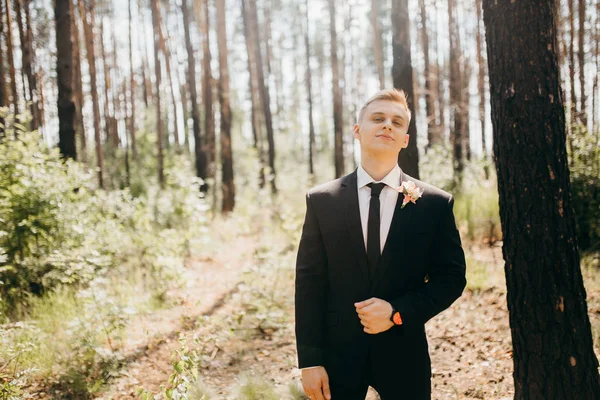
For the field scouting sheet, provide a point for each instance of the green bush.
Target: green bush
(58, 229)
(584, 157)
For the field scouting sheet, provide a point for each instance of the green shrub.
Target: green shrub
(584, 159)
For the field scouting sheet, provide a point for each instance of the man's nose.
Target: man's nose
(387, 124)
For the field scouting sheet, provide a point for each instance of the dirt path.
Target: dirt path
(152, 339)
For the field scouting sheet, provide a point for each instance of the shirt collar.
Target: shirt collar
(392, 179)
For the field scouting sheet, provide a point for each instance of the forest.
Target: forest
(154, 161)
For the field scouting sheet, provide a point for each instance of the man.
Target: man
(379, 256)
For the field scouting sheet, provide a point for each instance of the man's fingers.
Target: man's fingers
(326, 390)
(365, 303)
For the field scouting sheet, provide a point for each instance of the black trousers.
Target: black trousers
(390, 385)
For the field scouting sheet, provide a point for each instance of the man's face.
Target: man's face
(383, 129)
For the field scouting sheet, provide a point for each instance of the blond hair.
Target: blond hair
(395, 95)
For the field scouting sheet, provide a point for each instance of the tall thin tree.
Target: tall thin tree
(402, 73)
(553, 352)
(207, 90)
(10, 56)
(86, 11)
(263, 91)
(377, 46)
(157, 69)
(228, 186)
(581, 61)
(338, 125)
(64, 78)
(131, 126)
(311, 125)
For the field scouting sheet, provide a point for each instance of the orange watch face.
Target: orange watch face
(397, 319)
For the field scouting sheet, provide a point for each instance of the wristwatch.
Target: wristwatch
(395, 317)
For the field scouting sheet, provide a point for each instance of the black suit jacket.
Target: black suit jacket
(421, 272)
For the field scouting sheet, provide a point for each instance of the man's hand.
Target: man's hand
(315, 382)
(374, 315)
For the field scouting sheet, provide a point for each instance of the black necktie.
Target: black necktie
(373, 240)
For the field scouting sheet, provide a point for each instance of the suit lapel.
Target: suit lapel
(353, 223)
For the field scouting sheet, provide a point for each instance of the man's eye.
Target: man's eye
(397, 123)
(377, 119)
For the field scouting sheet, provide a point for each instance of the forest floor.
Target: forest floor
(470, 343)
(236, 312)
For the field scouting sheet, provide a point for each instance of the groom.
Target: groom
(379, 256)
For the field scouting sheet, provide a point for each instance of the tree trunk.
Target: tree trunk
(581, 59)
(553, 351)
(377, 47)
(311, 125)
(157, 68)
(263, 91)
(434, 139)
(11, 58)
(3, 96)
(167, 53)
(131, 126)
(456, 101)
(338, 118)
(78, 95)
(64, 78)
(465, 109)
(254, 97)
(207, 92)
(573, 104)
(481, 80)
(402, 73)
(108, 115)
(200, 156)
(25, 35)
(228, 186)
(86, 13)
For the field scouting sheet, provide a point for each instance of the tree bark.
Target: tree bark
(377, 47)
(311, 125)
(3, 95)
(157, 68)
(581, 59)
(433, 136)
(11, 58)
(338, 125)
(263, 91)
(78, 95)
(200, 156)
(481, 80)
(553, 350)
(167, 54)
(228, 186)
(108, 115)
(456, 99)
(207, 92)
(25, 35)
(86, 12)
(573, 103)
(402, 72)
(254, 96)
(64, 78)
(131, 126)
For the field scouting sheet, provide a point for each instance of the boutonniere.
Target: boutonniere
(410, 191)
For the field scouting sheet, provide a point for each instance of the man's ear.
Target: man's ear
(356, 133)
(405, 144)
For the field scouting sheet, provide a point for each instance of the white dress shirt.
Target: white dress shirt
(387, 201)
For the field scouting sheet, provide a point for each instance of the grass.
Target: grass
(255, 388)
(72, 338)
